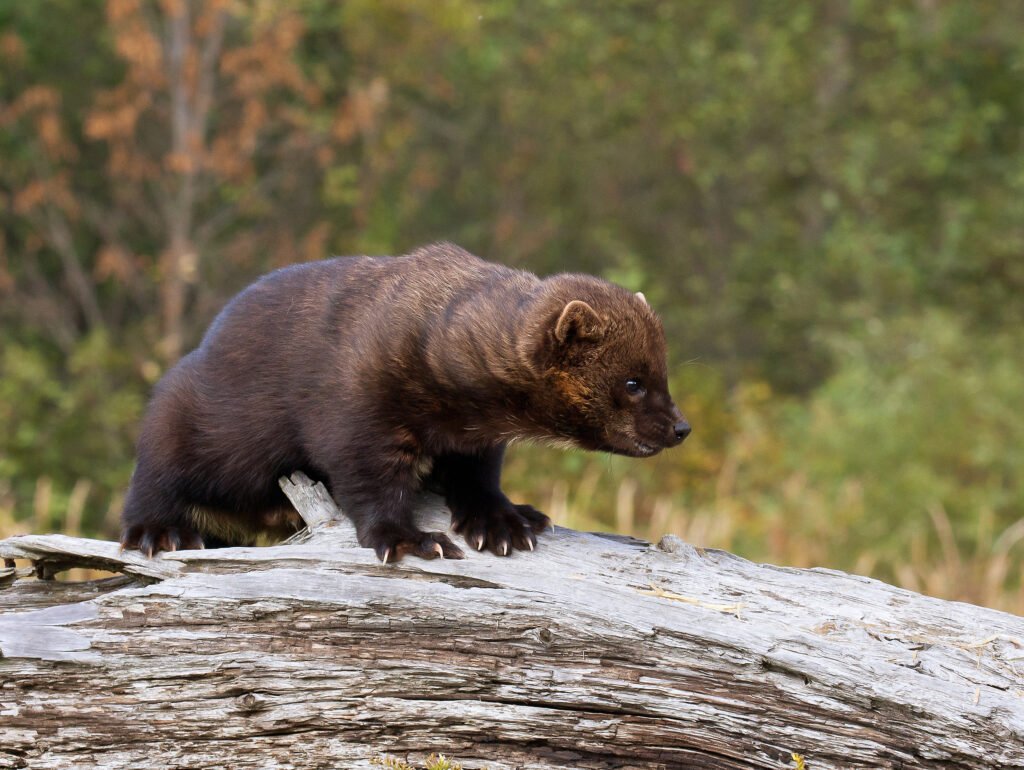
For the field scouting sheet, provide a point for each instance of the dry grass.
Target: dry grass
(54, 512)
(988, 575)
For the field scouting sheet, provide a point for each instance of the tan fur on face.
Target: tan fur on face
(575, 390)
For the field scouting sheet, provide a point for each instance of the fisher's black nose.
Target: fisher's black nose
(681, 430)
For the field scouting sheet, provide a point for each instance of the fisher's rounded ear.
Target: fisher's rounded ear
(640, 296)
(578, 321)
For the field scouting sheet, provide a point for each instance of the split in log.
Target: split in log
(594, 651)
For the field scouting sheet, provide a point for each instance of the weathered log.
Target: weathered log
(594, 651)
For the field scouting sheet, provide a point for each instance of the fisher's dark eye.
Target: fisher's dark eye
(634, 388)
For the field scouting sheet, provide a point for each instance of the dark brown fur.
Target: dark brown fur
(381, 376)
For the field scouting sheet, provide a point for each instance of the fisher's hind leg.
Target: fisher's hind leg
(155, 518)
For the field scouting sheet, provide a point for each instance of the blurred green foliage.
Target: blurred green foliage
(926, 416)
(824, 201)
(67, 419)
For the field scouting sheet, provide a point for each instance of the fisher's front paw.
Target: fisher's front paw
(499, 525)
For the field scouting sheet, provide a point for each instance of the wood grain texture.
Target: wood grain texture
(592, 652)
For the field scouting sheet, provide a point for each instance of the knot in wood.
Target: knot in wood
(249, 703)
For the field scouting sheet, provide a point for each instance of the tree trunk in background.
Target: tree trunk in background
(192, 75)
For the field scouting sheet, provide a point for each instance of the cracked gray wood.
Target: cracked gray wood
(592, 652)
